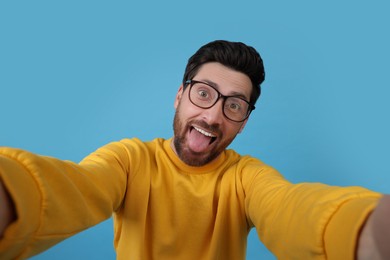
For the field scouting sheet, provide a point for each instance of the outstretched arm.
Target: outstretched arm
(375, 236)
(37, 193)
(7, 211)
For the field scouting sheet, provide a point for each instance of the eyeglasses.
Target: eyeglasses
(205, 96)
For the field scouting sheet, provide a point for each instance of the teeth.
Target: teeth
(204, 132)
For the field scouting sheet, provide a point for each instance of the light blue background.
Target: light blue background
(75, 75)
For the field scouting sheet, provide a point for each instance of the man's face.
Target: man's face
(200, 135)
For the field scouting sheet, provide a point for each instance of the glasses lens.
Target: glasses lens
(205, 96)
(236, 108)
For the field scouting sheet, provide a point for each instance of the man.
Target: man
(189, 197)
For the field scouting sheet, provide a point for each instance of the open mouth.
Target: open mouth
(212, 137)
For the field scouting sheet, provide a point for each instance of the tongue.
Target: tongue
(198, 142)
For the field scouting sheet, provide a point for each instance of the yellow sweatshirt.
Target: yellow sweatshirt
(165, 209)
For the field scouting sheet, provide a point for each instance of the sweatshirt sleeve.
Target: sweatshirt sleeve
(56, 199)
(306, 220)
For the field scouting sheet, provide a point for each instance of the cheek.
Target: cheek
(187, 110)
(231, 130)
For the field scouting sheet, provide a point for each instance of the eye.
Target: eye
(203, 94)
(235, 105)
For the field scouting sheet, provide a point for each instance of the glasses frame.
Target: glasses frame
(191, 82)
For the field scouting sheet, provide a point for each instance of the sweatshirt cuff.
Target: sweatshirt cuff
(19, 181)
(342, 232)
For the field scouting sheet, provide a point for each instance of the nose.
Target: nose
(214, 114)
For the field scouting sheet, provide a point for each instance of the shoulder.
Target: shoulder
(247, 162)
(136, 144)
(250, 168)
(126, 150)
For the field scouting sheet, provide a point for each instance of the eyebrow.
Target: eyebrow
(232, 94)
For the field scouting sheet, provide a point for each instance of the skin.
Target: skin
(373, 243)
(211, 120)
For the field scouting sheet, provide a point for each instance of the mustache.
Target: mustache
(214, 128)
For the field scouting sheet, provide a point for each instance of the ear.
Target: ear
(242, 126)
(178, 96)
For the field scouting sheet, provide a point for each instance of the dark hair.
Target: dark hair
(235, 55)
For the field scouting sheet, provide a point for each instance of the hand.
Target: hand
(7, 211)
(375, 236)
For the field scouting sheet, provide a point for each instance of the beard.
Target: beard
(189, 156)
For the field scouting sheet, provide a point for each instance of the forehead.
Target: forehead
(225, 79)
